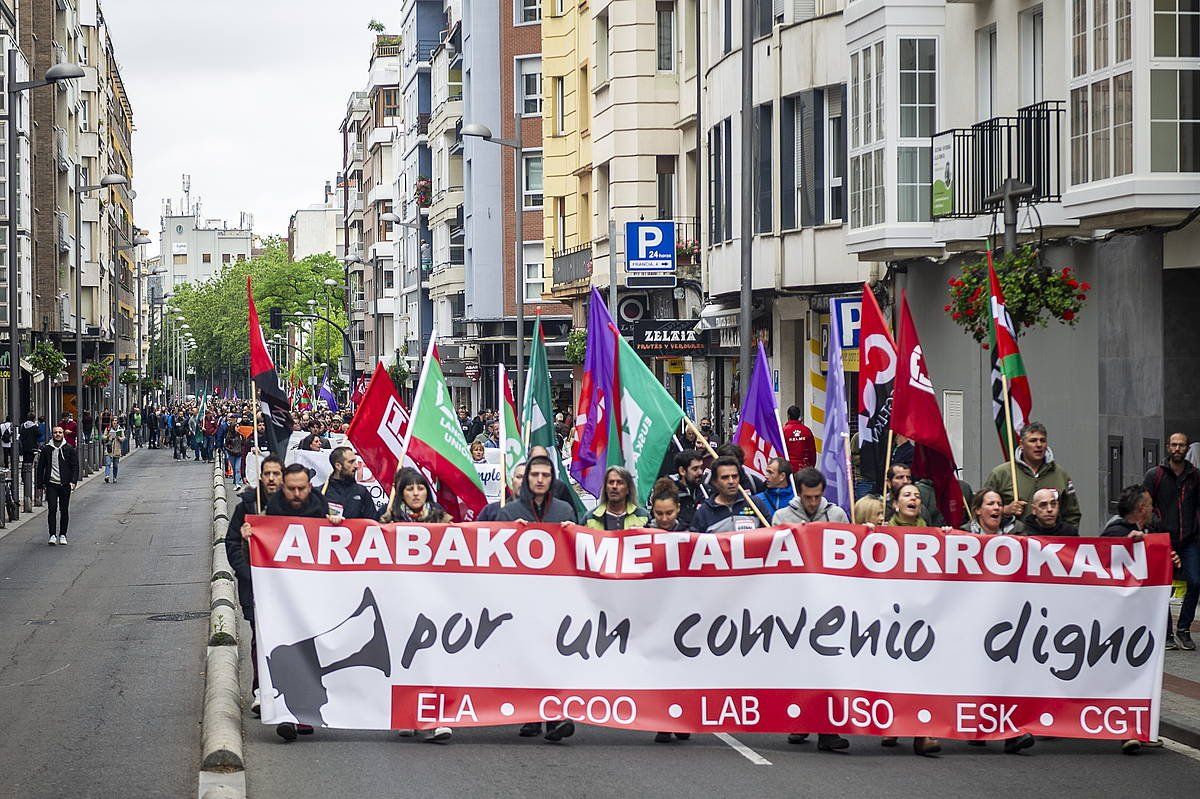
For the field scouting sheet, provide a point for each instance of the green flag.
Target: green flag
(512, 444)
(647, 417)
(537, 411)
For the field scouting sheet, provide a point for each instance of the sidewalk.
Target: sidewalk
(1180, 719)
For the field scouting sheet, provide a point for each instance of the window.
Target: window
(558, 99)
(602, 53)
(528, 11)
(763, 219)
(582, 100)
(225, 258)
(178, 259)
(665, 36)
(1122, 123)
(529, 91)
(835, 156)
(985, 73)
(1176, 29)
(83, 115)
(1079, 135)
(1099, 34)
(1101, 129)
(913, 184)
(727, 27)
(390, 101)
(389, 279)
(720, 183)
(918, 87)
(1123, 31)
(762, 18)
(206, 258)
(1031, 32)
(560, 225)
(665, 169)
(1079, 60)
(532, 183)
(866, 105)
(535, 284)
(1174, 120)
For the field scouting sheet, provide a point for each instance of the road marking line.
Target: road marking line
(743, 750)
(1182, 749)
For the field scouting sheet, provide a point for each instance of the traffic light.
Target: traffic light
(276, 318)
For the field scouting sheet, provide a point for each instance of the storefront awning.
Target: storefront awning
(716, 317)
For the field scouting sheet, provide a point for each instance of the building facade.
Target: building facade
(317, 229)
(194, 248)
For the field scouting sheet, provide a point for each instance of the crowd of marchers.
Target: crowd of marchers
(707, 489)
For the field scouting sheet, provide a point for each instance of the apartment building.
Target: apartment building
(194, 248)
(317, 229)
(358, 107)
(21, 171)
(377, 132)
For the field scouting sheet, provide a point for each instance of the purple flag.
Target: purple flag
(758, 431)
(593, 419)
(325, 392)
(835, 454)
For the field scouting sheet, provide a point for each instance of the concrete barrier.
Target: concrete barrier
(221, 731)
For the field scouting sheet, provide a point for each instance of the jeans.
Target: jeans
(235, 462)
(56, 494)
(1189, 555)
(110, 466)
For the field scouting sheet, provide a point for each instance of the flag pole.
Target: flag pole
(254, 425)
(1012, 448)
(887, 468)
(503, 432)
(849, 474)
(746, 494)
(412, 418)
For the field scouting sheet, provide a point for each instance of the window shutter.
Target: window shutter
(776, 9)
(803, 10)
(807, 159)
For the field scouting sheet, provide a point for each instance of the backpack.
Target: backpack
(6, 436)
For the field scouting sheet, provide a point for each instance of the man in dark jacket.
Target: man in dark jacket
(779, 491)
(727, 510)
(237, 548)
(347, 498)
(1045, 518)
(295, 497)
(56, 473)
(537, 504)
(1173, 487)
(689, 480)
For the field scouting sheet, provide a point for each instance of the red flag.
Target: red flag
(916, 415)
(876, 379)
(379, 427)
(272, 397)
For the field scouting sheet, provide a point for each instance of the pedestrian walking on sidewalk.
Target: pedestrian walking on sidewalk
(1174, 486)
(114, 441)
(57, 473)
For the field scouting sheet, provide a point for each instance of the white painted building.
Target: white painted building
(193, 249)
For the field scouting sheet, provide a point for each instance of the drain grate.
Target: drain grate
(185, 616)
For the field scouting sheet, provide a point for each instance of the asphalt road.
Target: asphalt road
(96, 697)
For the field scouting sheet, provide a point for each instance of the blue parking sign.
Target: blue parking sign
(650, 246)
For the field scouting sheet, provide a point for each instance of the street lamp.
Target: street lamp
(138, 242)
(515, 144)
(55, 74)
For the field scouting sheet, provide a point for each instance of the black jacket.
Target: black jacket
(713, 517)
(68, 468)
(1174, 499)
(28, 437)
(356, 501)
(1118, 528)
(690, 498)
(237, 548)
(315, 508)
(1060, 527)
(523, 508)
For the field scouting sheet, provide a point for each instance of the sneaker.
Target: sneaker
(62, 540)
(407, 733)
(560, 730)
(531, 730)
(1184, 639)
(1014, 745)
(662, 738)
(1171, 644)
(255, 706)
(1131, 747)
(831, 742)
(797, 737)
(889, 741)
(53, 539)
(106, 478)
(438, 736)
(286, 731)
(926, 747)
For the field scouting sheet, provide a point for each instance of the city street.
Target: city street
(101, 683)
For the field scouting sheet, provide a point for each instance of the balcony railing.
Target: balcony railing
(573, 264)
(423, 51)
(356, 153)
(420, 124)
(969, 164)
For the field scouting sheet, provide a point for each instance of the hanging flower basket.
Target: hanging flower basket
(576, 345)
(1033, 294)
(687, 249)
(423, 192)
(151, 384)
(128, 378)
(48, 360)
(96, 375)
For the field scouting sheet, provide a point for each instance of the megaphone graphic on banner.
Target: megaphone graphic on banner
(298, 670)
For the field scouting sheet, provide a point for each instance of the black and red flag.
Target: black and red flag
(273, 399)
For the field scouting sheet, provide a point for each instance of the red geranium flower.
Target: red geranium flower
(956, 316)
(1085, 286)
(1073, 283)
(946, 309)
(985, 346)
(1068, 315)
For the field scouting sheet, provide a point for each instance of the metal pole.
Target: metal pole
(14, 296)
(612, 268)
(745, 305)
(519, 184)
(137, 272)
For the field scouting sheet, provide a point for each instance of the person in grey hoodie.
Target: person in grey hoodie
(810, 505)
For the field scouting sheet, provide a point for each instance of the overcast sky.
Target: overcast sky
(246, 96)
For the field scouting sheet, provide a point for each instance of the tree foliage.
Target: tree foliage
(217, 312)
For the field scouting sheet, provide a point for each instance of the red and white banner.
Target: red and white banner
(820, 628)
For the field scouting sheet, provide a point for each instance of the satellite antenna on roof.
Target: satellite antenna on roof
(187, 194)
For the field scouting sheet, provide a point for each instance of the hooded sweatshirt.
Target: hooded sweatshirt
(526, 508)
(794, 513)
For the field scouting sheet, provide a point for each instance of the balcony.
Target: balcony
(971, 163)
(422, 52)
(355, 154)
(353, 202)
(419, 125)
(61, 150)
(446, 279)
(445, 204)
(572, 272)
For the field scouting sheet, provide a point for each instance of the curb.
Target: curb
(1179, 729)
(221, 730)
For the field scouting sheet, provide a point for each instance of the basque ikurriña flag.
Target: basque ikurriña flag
(1006, 362)
(876, 379)
(758, 432)
(917, 415)
(272, 396)
(594, 416)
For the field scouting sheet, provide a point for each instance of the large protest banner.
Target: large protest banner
(822, 628)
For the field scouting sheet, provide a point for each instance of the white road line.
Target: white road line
(743, 750)
(1182, 749)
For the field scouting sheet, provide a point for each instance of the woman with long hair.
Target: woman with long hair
(412, 500)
